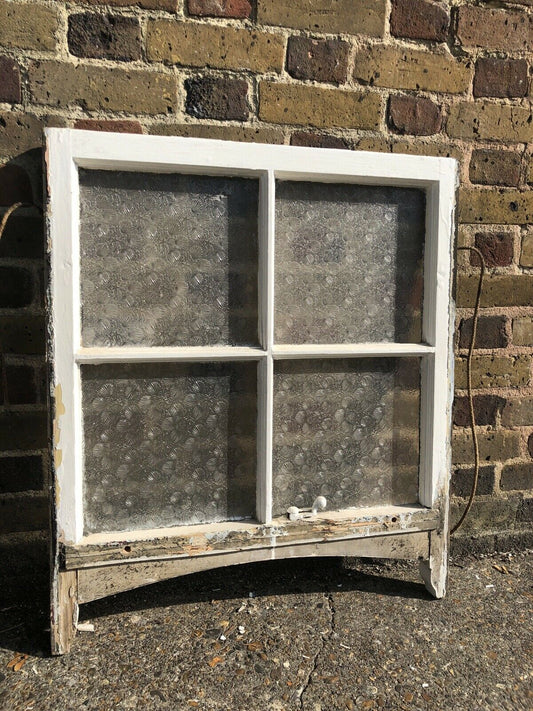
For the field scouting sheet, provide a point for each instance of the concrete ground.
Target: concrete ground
(317, 635)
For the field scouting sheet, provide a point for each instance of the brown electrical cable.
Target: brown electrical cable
(469, 387)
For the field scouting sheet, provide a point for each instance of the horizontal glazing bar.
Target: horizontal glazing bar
(355, 350)
(168, 354)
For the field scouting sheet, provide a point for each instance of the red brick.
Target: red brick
(318, 60)
(494, 29)
(496, 248)
(502, 78)
(15, 185)
(517, 477)
(120, 126)
(419, 19)
(495, 167)
(486, 409)
(238, 9)
(317, 140)
(10, 91)
(492, 332)
(414, 115)
(104, 36)
(223, 99)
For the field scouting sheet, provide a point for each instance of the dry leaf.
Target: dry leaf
(224, 624)
(216, 660)
(18, 661)
(254, 646)
(501, 569)
(193, 703)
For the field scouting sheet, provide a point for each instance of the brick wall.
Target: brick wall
(401, 76)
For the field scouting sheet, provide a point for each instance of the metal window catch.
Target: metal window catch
(295, 514)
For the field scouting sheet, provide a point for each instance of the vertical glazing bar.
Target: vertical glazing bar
(266, 335)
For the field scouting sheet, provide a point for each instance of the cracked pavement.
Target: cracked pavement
(315, 634)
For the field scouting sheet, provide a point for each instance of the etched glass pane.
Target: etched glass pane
(168, 444)
(348, 263)
(346, 430)
(167, 260)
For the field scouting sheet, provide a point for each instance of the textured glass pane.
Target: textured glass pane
(168, 260)
(347, 430)
(348, 263)
(168, 444)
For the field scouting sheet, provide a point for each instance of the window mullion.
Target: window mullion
(266, 335)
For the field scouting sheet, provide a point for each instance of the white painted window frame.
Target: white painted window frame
(69, 150)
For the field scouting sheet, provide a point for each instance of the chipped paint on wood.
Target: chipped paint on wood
(64, 612)
(59, 411)
(333, 526)
(100, 581)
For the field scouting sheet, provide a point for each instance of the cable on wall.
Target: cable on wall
(475, 442)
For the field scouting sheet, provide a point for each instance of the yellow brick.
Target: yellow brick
(416, 148)
(526, 253)
(493, 446)
(498, 290)
(486, 121)
(411, 69)
(99, 88)
(509, 207)
(247, 134)
(523, 332)
(19, 132)
(201, 45)
(309, 105)
(361, 17)
(494, 371)
(28, 26)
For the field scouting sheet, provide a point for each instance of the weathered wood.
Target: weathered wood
(64, 613)
(98, 582)
(434, 568)
(234, 537)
